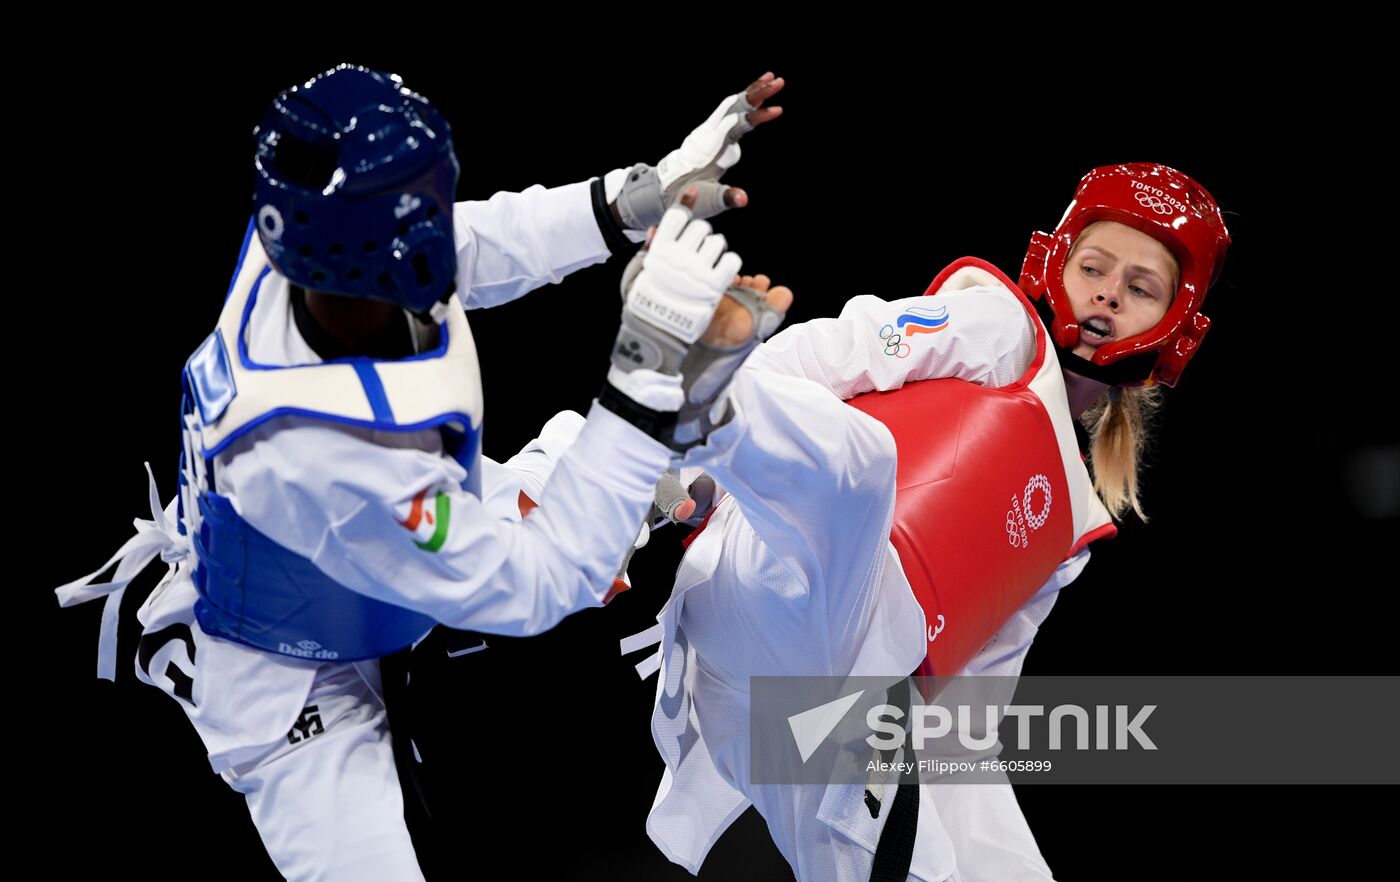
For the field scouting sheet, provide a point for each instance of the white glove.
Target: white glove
(671, 291)
(701, 160)
(707, 153)
(683, 275)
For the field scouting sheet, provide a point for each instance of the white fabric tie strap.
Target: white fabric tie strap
(644, 640)
(156, 537)
(649, 665)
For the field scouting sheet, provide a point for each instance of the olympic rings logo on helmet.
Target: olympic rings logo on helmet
(270, 220)
(894, 343)
(1147, 200)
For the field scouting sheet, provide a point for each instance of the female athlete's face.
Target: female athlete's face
(1120, 282)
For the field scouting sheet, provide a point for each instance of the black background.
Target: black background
(887, 165)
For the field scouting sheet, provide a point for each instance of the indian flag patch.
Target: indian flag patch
(428, 520)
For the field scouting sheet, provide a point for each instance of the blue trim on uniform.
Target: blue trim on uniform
(435, 422)
(180, 486)
(374, 391)
(211, 378)
(384, 418)
(242, 255)
(441, 350)
(182, 482)
(243, 357)
(444, 338)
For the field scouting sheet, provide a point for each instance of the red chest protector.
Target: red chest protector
(990, 497)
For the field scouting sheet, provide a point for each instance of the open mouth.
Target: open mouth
(1096, 329)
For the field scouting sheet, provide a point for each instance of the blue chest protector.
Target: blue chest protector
(251, 589)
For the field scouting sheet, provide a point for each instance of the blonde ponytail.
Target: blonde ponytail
(1118, 425)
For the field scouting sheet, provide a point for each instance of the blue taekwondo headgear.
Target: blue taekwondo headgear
(356, 178)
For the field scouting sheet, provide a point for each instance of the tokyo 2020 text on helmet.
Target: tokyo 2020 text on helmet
(1171, 208)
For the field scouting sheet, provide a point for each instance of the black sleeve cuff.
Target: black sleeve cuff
(612, 231)
(659, 424)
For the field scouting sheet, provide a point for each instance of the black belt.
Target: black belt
(895, 851)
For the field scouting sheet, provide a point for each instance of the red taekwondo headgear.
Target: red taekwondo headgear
(1171, 208)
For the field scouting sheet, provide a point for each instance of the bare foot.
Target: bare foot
(732, 325)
